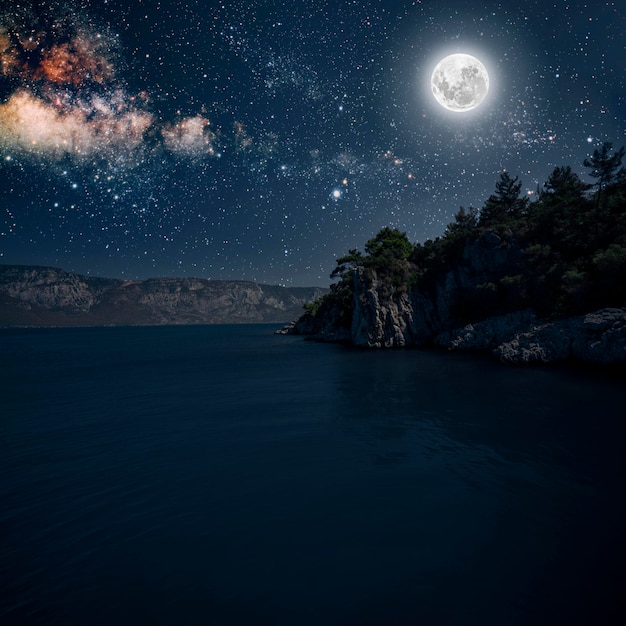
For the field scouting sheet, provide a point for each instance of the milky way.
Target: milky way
(261, 140)
(68, 100)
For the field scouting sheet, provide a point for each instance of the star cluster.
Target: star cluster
(261, 140)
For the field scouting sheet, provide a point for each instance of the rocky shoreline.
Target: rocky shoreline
(598, 338)
(383, 316)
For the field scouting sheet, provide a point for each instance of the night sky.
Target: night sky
(260, 140)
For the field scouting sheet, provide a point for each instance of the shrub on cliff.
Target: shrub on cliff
(387, 248)
(386, 253)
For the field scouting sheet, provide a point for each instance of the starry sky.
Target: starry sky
(262, 139)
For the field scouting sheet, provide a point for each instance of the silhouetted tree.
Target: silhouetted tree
(562, 208)
(564, 185)
(504, 203)
(464, 221)
(346, 264)
(389, 245)
(604, 167)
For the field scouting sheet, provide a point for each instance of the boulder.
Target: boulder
(598, 338)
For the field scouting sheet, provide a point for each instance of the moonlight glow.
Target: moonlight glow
(460, 82)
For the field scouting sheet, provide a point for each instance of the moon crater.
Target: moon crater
(460, 82)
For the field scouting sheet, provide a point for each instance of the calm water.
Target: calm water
(223, 475)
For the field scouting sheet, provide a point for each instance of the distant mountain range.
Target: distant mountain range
(48, 296)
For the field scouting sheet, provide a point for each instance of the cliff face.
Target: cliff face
(386, 317)
(598, 337)
(44, 296)
(47, 287)
(521, 338)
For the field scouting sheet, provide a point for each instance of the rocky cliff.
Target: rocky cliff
(521, 338)
(541, 280)
(433, 312)
(391, 313)
(46, 296)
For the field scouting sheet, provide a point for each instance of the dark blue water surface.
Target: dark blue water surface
(225, 475)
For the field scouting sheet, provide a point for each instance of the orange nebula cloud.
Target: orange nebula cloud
(9, 59)
(74, 63)
(29, 123)
(80, 59)
(68, 101)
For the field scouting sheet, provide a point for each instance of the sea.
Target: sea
(225, 475)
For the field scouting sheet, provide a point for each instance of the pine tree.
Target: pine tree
(389, 245)
(505, 203)
(604, 167)
(564, 184)
(464, 222)
(347, 264)
(561, 210)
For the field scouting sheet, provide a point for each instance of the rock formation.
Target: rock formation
(541, 280)
(388, 315)
(430, 313)
(598, 338)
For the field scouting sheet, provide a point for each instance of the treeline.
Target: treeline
(564, 253)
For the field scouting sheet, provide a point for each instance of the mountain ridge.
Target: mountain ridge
(32, 295)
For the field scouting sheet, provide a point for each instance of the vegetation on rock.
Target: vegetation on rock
(562, 254)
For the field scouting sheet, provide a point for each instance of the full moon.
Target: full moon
(460, 82)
